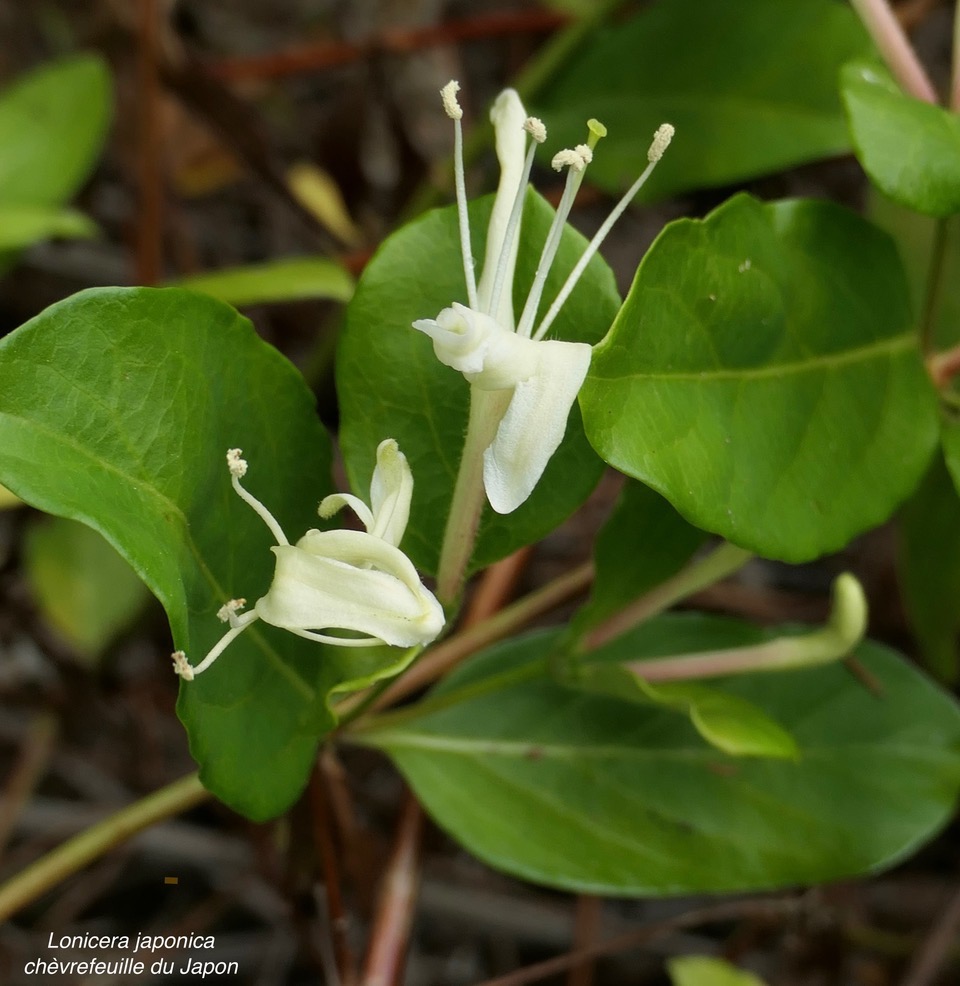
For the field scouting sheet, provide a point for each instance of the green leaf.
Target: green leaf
(116, 408)
(391, 385)
(592, 794)
(21, 225)
(725, 721)
(930, 569)
(909, 148)
(644, 542)
(751, 88)
(763, 375)
(280, 280)
(87, 592)
(700, 970)
(52, 125)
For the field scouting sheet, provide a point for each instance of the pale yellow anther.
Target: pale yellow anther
(535, 127)
(449, 96)
(569, 157)
(229, 608)
(181, 665)
(236, 465)
(661, 141)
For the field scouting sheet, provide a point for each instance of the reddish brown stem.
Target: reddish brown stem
(310, 58)
(149, 235)
(586, 933)
(729, 911)
(395, 910)
(323, 833)
(943, 367)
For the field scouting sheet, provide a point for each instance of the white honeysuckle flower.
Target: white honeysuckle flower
(484, 340)
(354, 581)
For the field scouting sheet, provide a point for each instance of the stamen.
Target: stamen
(182, 666)
(578, 158)
(227, 612)
(238, 468)
(238, 625)
(452, 108)
(449, 96)
(535, 127)
(236, 465)
(661, 140)
(513, 224)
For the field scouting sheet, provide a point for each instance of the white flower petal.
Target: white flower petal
(533, 426)
(508, 117)
(391, 490)
(329, 505)
(459, 337)
(349, 580)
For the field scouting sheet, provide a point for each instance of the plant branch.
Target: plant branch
(97, 840)
(320, 805)
(765, 910)
(889, 37)
(721, 562)
(394, 916)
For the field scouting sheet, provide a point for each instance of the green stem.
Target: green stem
(82, 849)
(529, 83)
(721, 562)
(486, 409)
(931, 295)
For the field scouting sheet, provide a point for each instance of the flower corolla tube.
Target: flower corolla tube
(358, 582)
(495, 351)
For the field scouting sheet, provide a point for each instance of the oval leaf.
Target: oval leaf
(910, 149)
(391, 385)
(591, 794)
(763, 375)
(116, 408)
(727, 75)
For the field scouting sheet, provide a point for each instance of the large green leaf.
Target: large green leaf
(751, 87)
(116, 408)
(930, 568)
(910, 149)
(592, 794)
(763, 375)
(391, 384)
(52, 126)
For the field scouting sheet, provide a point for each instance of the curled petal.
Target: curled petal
(533, 426)
(391, 490)
(508, 117)
(350, 580)
(460, 336)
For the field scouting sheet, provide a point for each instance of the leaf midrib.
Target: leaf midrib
(826, 361)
